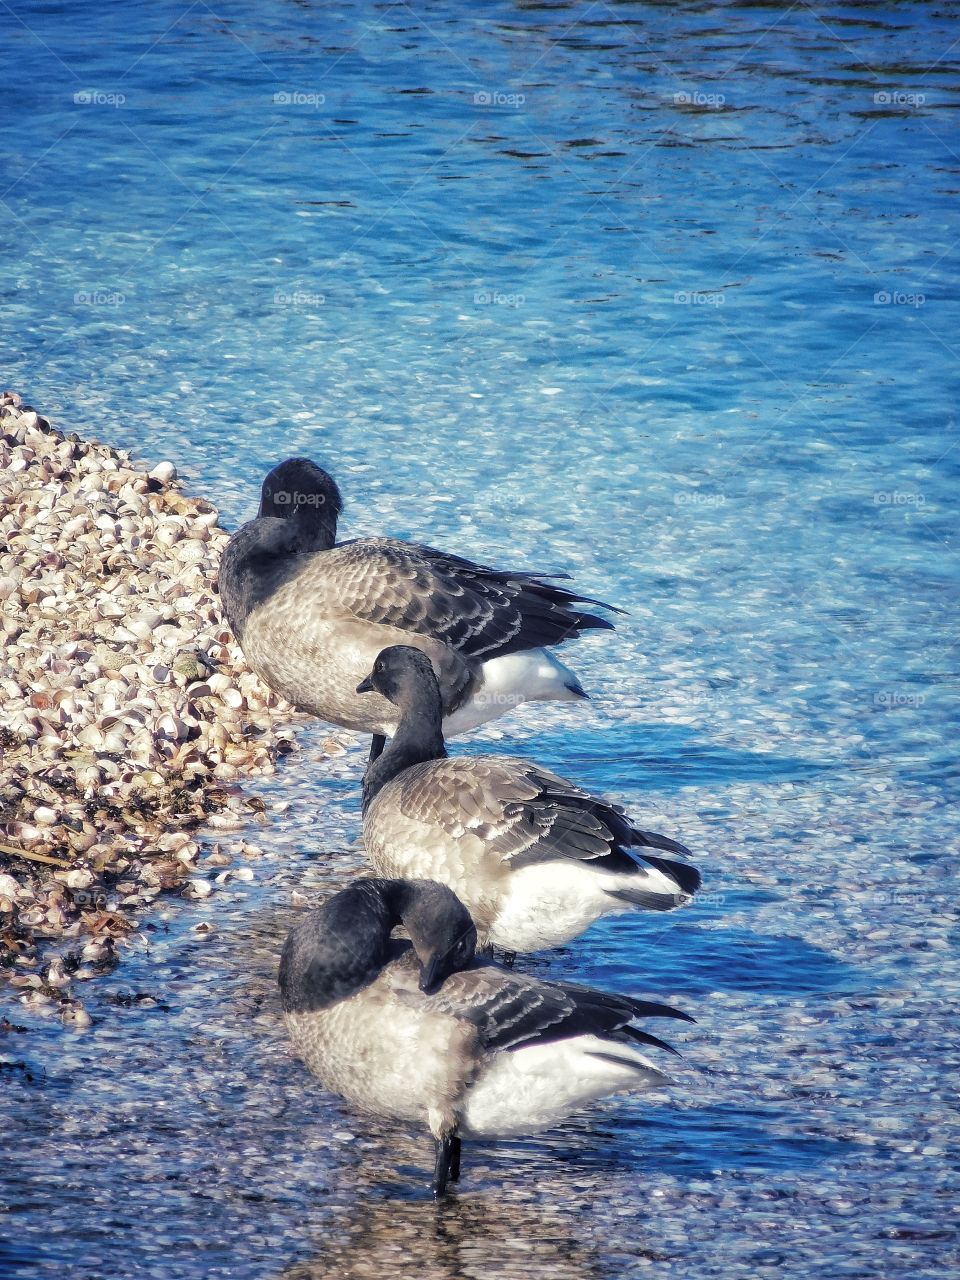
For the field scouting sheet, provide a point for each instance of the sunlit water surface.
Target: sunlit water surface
(658, 295)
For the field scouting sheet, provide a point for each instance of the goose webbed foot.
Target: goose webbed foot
(377, 743)
(509, 958)
(447, 1168)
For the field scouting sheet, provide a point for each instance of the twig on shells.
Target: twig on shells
(32, 857)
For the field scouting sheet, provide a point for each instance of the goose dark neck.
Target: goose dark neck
(255, 562)
(342, 947)
(419, 737)
(316, 527)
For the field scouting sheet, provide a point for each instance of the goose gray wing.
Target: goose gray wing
(509, 1010)
(525, 814)
(464, 795)
(570, 822)
(480, 611)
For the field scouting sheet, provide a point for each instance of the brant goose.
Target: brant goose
(423, 1030)
(311, 614)
(535, 859)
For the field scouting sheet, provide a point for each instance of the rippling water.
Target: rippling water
(661, 295)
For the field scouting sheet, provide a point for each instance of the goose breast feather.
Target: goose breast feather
(389, 1051)
(313, 649)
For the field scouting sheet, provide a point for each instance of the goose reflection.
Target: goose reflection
(487, 1235)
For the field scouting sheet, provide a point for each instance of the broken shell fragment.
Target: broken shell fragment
(197, 889)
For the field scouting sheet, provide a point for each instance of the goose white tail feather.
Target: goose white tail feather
(552, 901)
(532, 676)
(540, 1085)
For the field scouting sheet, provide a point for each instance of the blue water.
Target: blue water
(664, 296)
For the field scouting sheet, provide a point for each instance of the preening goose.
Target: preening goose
(311, 615)
(424, 1031)
(535, 859)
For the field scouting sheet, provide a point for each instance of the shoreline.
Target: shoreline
(128, 717)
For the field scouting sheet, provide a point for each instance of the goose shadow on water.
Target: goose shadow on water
(640, 954)
(677, 954)
(543, 1206)
(620, 757)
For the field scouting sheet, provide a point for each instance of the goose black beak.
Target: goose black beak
(366, 685)
(432, 975)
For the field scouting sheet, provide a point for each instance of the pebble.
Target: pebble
(165, 472)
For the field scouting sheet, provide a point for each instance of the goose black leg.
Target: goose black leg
(377, 743)
(448, 1159)
(508, 959)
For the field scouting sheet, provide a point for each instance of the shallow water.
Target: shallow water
(700, 353)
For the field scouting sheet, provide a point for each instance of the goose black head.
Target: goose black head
(441, 930)
(400, 673)
(300, 491)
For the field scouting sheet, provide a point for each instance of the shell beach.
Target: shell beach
(128, 717)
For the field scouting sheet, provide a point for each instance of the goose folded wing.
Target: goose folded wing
(525, 814)
(480, 611)
(511, 1010)
(467, 795)
(560, 820)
